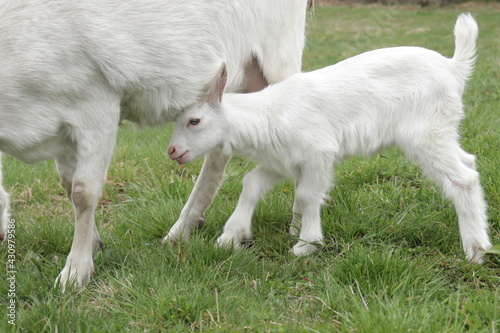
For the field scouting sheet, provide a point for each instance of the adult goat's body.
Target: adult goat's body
(408, 97)
(71, 70)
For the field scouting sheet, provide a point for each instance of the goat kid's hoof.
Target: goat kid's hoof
(174, 236)
(181, 230)
(228, 242)
(477, 253)
(305, 248)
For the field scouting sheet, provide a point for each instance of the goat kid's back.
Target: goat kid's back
(373, 100)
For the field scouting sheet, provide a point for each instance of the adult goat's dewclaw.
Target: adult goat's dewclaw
(300, 128)
(71, 70)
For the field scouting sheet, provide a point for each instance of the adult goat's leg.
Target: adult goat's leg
(4, 207)
(94, 144)
(207, 185)
(66, 166)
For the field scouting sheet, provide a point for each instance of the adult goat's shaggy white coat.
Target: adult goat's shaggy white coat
(71, 70)
(408, 97)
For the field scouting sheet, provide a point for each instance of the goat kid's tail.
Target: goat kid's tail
(466, 32)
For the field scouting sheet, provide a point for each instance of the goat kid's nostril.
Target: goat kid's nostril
(171, 150)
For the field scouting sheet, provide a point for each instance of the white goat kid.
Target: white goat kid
(71, 70)
(408, 97)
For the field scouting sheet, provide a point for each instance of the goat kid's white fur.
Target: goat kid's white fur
(408, 97)
(71, 70)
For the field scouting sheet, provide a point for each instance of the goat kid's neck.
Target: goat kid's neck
(250, 124)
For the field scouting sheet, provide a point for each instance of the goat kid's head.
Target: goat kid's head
(200, 128)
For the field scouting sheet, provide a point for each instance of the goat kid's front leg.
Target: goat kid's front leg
(207, 185)
(239, 226)
(4, 207)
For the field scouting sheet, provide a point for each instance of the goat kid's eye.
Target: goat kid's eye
(194, 122)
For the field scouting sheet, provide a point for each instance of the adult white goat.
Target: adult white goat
(409, 97)
(71, 70)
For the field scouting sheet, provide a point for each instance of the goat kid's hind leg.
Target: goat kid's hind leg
(239, 226)
(310, 191)
(454, 170)
(296, 218)
(66, 166)
(94, 151)
(207, 185)
(4, 207)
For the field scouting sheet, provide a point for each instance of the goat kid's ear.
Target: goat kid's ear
(217, 89)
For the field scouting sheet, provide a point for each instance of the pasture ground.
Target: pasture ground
(392, 260)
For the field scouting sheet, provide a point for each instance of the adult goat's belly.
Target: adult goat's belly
(47, 149)
(32, 136)
(151, 107)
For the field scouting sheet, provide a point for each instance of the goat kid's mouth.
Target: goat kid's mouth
(182, 158)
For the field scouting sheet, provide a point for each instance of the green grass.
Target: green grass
(392, 260)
